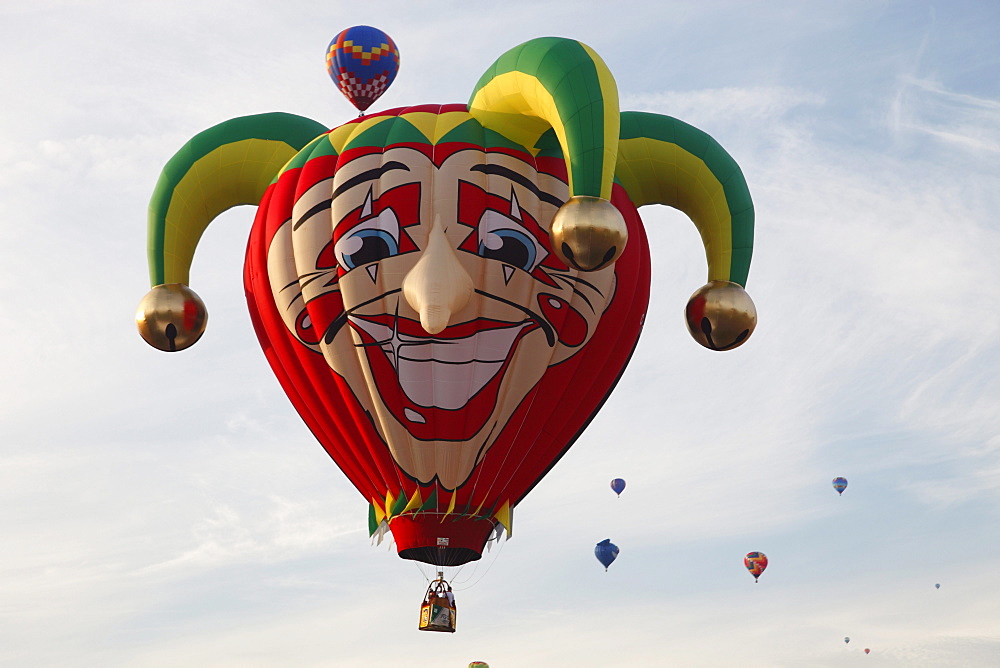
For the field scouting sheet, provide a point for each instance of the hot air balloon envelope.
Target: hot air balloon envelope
(867, 650)
(618, 485)
(606, 552)
(840, 484)
(362, 61)
(433, 286)
(755, 562)
(846, 640)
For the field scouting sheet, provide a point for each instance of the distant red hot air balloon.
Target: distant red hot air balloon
(755, 562)
(867, 650)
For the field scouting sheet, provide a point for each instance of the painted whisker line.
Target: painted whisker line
(590, 285)
(311, 276)
(581, 295)
(318, 276)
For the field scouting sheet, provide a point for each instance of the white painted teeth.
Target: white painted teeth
(459, 367)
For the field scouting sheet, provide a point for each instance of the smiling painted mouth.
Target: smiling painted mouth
(441, 387)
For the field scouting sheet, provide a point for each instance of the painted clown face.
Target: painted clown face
(425, 278)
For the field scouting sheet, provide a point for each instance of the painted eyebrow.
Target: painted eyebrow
(519, 179)
(368, 175)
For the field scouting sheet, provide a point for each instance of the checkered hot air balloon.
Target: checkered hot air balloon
(362, 61)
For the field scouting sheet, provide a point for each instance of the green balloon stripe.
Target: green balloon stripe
(568, 73)
(642, 125)
(295, 131)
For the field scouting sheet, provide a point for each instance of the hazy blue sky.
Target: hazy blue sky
(164, 510)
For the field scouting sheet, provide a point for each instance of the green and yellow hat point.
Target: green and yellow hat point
(227, 165)
(564, 85)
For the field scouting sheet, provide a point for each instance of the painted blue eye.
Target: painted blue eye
(365, 246)
(369, 241)
(510, 247)
(505, 239)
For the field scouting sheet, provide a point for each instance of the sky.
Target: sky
(172, 509)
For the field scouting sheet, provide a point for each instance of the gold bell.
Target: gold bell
(720, 315)
(171, 317)
(588, 233)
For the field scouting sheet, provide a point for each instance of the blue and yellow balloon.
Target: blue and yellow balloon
(840, 484)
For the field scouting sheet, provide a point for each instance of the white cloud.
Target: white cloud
(960, 120)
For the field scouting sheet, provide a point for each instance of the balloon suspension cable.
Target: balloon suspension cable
(483, 575)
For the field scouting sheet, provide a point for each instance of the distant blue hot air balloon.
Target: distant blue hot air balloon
(840, 484)
(362, 61)
(847, 639)
(937, 586)
(606, 552)
(618, 485)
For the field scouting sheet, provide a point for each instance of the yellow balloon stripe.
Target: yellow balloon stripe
(342, 136)
(436, 126)
(517, 106)
(563, 85)
(231, 175)
(611, 122)
(659, 172)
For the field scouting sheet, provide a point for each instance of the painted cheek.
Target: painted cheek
(571, 327)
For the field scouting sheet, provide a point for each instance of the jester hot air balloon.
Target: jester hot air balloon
(445, 292)
(840, 484)
(363, 62)
(606, 552)
(618, 486)
(755, 562)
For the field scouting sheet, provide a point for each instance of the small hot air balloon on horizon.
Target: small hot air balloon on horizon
(618, 485)
(847, 639)
(755, 562)
(840, 484)
(937, 586)
(867, 650)
(606, 552)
